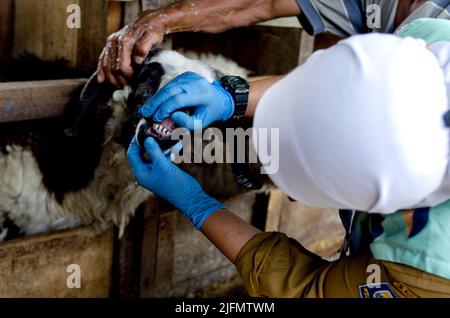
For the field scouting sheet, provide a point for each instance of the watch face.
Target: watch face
(235, 80)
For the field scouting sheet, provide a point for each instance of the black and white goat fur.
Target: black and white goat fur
(71, 171)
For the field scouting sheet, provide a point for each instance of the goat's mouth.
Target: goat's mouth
(161, 132)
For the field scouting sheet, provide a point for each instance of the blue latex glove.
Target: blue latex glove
(159, 175)
(210, 102)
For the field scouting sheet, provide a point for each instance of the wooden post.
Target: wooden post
(36, 100)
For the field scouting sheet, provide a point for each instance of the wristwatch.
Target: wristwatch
(239, 90)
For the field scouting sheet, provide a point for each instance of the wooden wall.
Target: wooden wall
(6, 28)
(40, 28)
(36, 266)
(264, 50)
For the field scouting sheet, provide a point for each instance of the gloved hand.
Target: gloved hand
(210, 102)
(159, 175)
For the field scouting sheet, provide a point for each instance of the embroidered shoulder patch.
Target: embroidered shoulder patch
(376, 291)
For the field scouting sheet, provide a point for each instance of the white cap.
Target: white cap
(361, 125)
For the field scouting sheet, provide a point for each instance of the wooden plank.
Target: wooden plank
(132, 11)
(36, 266)
(277, 203)
(35, 100)
(317, 229)
(114, 16)
(41, 29)
(183, 260)
(92, 35)
(6, 28)
(127, 257)
(165, 254)
(268, 50)
(149, 247)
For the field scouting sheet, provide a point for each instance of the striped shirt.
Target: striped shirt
(349, 17)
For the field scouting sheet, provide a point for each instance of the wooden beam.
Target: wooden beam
(35, 100)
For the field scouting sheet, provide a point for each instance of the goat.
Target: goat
(66, 172)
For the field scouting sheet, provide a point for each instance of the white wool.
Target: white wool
(175, 64)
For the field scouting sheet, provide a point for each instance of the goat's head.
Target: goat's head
(159, 68)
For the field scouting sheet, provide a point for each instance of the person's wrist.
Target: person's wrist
(209, 206)
(165, 18)
(200, 207)
(176, 18)
(284, 8)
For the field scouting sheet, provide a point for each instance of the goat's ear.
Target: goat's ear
(87, 105)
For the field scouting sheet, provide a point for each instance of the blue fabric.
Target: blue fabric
(312, 17)
(443, 4)
(418, 238)
(356, 16)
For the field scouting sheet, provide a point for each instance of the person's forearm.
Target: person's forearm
(219, 15)
(228, 232)
(257, 90)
